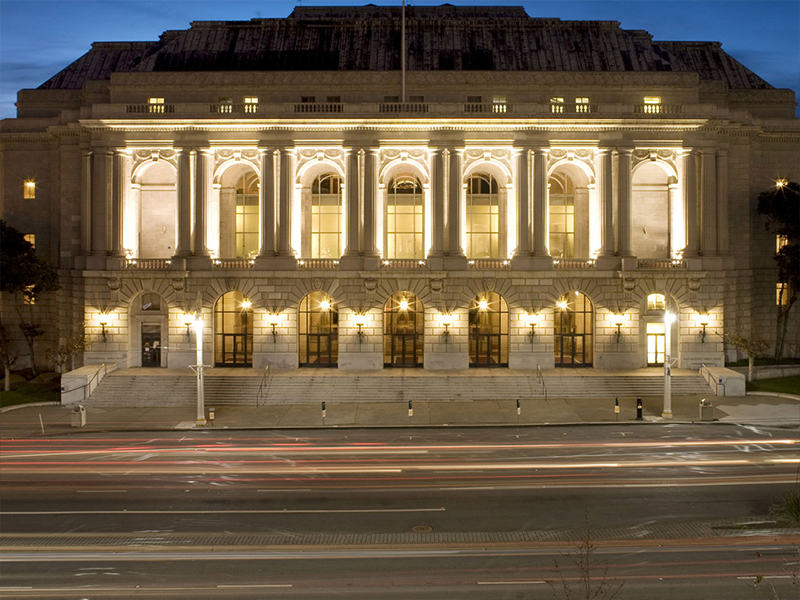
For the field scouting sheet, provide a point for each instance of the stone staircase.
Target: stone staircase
(124, 389)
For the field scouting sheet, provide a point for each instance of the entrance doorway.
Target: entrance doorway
(151, 344)
(488, 331)
(233, 331)
(403, 326)
(574, 317)
(656, 344)
(319, 331)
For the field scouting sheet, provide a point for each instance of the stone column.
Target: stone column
(540, 203)
(437, 203)
(352, 197)
(523, 249)
(690, 203)
(454, 216)
(184, 220)
(606, 185)
(284, 224)
(117, 196)
(722, 203)
(708, 218)
(266, 203)
(101, 195)
(370, 183)
(86, 201)
(201, 185)
(624, 202)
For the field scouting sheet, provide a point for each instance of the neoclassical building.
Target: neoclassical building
(350, 188)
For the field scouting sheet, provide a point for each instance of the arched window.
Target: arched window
(483, 217)
(326, 217)
(246, 238)
(233, 331)
(405, 226)
(318, 327)
(488, 331)
(403, 323)
(562, 216)
(656, 302)
(574, 320)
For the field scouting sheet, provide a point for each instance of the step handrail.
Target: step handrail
(263, 389)
(102, 367)
(708, 377)
(540, 379)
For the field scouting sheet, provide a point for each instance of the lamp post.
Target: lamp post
(198, 368)
(666, 413)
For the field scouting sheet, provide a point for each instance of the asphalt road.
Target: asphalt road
(77, 494)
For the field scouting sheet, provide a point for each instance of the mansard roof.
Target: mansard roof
(443, 38)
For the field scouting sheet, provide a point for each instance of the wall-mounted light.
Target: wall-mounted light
(188, 319)
(404, 304)
(531, 320)
(274, 320)
(446, 320)
(360, 321)
(619, 320)
(703, 323)
(246, 304)
(780, 183)
(562, 305)
(325, 305)
(483, 304)
(103, 320)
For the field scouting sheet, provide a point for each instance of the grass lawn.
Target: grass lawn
(24, 393)
(780, 385)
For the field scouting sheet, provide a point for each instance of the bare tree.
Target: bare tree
(7, 356)
(752, 346)
(68, 348)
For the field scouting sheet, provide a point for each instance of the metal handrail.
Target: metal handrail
(263, 389)
(708, 376)
(102, 367)
(540, 379)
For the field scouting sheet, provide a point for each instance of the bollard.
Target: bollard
(324, 412)
(616, 409)
(519, 409)
(410, 409)
(638, 409)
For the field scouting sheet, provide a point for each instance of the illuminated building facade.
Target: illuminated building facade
(491, 190)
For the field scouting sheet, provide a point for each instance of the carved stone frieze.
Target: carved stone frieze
(418, 156)
(247, 155)
(142, 155)
(310, 155)
(653, 154)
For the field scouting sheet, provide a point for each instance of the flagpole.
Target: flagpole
(403, 54)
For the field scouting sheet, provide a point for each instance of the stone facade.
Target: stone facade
(140, 199)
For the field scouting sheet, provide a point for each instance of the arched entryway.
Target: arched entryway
(488, 331)
(149, 318)
(233, 331)
(403, 327)
(318, 327)
(574, 319)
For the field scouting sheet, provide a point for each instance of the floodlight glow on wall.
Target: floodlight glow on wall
(446, 320)
(404, 304)
(483, 304)
(619, 320)
(246, 304)
(562, 305)
(188, 320)
(325, 305)
(103, 320)
(274, 320)
(360, 321)
(531, 320)
(703, 319)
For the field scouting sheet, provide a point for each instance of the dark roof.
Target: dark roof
(443, 38)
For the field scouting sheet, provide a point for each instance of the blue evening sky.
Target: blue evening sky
(40, 37)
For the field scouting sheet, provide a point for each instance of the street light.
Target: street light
(669, 318)
(198, 368)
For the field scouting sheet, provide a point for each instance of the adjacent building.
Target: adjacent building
(362, 188)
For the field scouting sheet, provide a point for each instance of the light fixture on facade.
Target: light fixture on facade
(325, 305)
(703, 323)
(246, 304)
(274, 320)
(29, 190)
(531, 319)
(780, 183)
(103, 320)
(446, 320)
(619, 320)
(562, 305)
(483, 304)
(360, 321)
(188, 320)
(404, 304)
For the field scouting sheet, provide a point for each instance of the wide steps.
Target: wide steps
(181, 390)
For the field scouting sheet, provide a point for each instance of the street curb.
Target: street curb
(27, 405)
(775, 395)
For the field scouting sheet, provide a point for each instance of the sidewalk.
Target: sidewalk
(765, 410)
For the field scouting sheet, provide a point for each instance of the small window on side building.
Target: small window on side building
(251, 104)
(30, 238)
(781, 294)
(334, 99)
(652, 104)
(155, 105)
(499, 104)
(29, 190)
(582, 105)
(308, 99)
(416, 98)
(557, 104)
(225, 104)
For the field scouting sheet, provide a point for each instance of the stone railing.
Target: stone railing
(318, 263)
(403, 263)
(528, 110)
(489, 263)
(232, 263)
(654, 263)
(573, 263)
(147, 263)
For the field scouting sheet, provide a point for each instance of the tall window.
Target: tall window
(656, 302)
(562, 216)
(483, 217)
(29, 190)
(326, 217)
(247, 216)
(405, 234)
